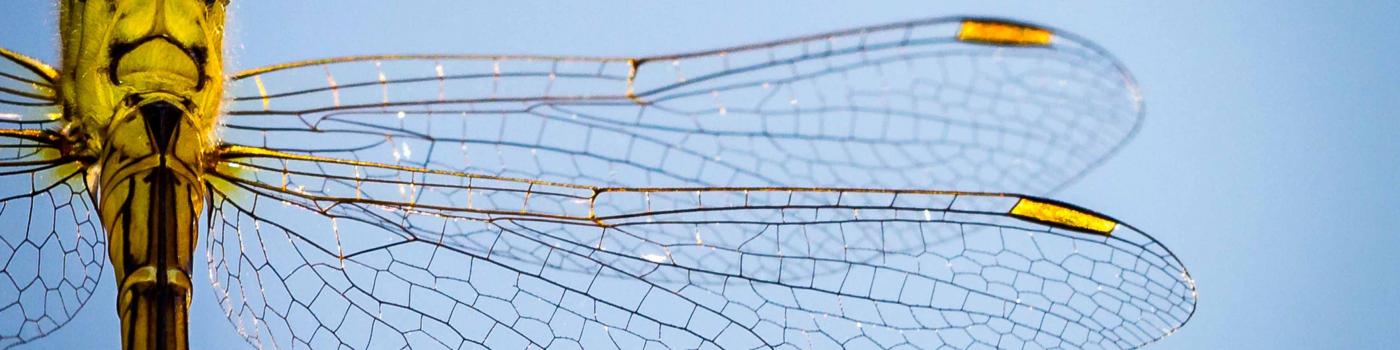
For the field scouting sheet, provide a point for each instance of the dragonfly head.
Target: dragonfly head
(117, 51)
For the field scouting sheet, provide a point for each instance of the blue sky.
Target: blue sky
(1268, 162)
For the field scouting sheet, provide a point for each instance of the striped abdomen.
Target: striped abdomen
(150, 205)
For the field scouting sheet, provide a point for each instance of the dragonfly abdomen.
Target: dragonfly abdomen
(151, 194)
(151, 216)
(155, 291)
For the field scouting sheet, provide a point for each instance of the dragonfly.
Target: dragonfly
(877, 187)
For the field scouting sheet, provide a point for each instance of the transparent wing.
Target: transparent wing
(52, 251)
(390, 256)
(906, 105)
(26, 88)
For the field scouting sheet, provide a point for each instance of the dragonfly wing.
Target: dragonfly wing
(282, 289)
(389, 256)
(906, 105)
(834, 269)
(52, 250)
(26, 88)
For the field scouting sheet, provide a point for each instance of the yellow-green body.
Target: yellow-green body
(140, 85)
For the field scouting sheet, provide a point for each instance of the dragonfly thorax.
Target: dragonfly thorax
(124, 51)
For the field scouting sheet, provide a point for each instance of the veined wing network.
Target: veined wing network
(788, 194)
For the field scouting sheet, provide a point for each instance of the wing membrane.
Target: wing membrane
(436, 258)
(482, 201)
(906, 105)
(52, 251)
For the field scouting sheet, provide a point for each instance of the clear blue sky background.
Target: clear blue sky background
(1269, 162)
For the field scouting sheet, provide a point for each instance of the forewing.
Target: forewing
(906, 105)
(52, 250)
(389, 256)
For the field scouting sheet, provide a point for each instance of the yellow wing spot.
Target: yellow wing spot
(335, 88)
(233, 170)
(262, 91)
(48, 156)
(1059, 215)
(1003, 33)
(632, 66)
